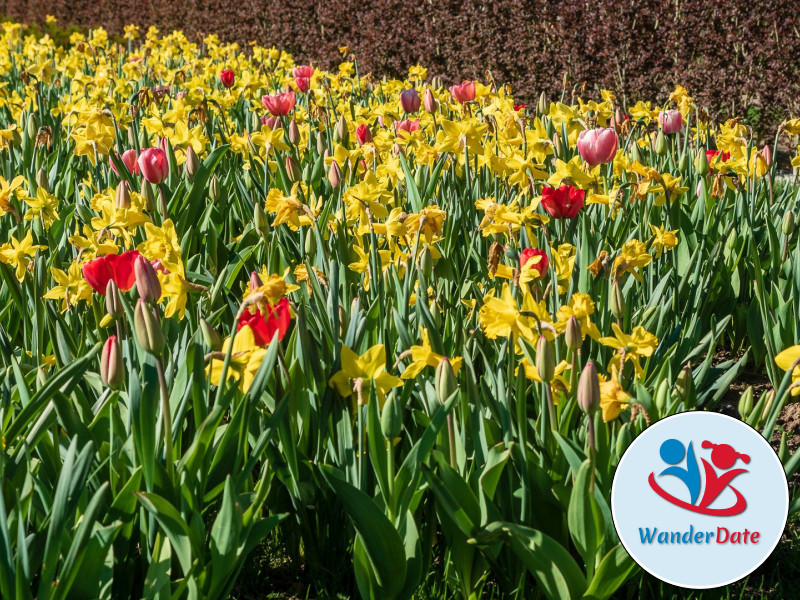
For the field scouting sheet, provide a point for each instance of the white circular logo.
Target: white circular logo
(699, 500)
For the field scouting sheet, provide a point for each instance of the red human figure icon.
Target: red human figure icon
(724, 457)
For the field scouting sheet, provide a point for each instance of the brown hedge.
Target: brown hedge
(736, 57)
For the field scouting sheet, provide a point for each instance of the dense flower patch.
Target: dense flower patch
(404, 329)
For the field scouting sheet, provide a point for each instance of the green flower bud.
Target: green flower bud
(545, 359)
(783, 449)
(746, 402)
(446, 382)
(589, 389)
(143, 141)
(662, 395)
(293, 169)
(344, 322)
(767, 408)
(635, 154)
(113, 302)
(341, 133)
(701, 163)
(624, 439)
(788, 223)
(617, 301)
(543, 106)
(683, 163)
(213, 189)
(684, 386)
(661, 147)
(149, 197)
(310, 244)
(112, 371)
(573, 335)
(131, 137)
(322, 143)
(31, 127)
(260, 220)
(147, 328)
(391, 418)
(41, 180)
(211, 338)
(425, 263)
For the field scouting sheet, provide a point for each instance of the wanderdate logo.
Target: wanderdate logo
(699, 499)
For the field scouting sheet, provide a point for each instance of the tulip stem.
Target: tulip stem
(165, 415)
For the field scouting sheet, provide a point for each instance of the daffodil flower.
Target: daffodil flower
(367, 369)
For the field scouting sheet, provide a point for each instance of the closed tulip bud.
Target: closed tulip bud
(788, 223)
(766, 153)
(683, 163)
(701, 163)
(557, 146)
(767, 407)
(783, 449)
(589, 389)
(149, 197)
(322, 143)
(41, 180)
(112, 371)
(425, 262)
(147, 283)
(293, 169)
(684, 386)
(311, 245)
(545, 359)
(344, 322)
(32, 126)
(255, 281)
(363, 134)
(746, 402)
(341, 133)
(636, 156)
(661, 147)
(131, 137)
(123, 196)
(624, 439)
(335, 174)
(543, 106)
(617, 301)
(446, 382)
(192, 163)
(143, 141)
(619, 118)
(391, 418)
(572, 334)
(213, 189)
(147, 328)
(260, 220)
(429, 103)
(210, 335)
(294, 132)
(113, 302)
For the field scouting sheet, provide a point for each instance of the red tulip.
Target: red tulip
(598, 146)
(408, 126)
(264, 327)
(302, 77)
(227, 78)
(154, 165)
(116, 267)
(410, 100)
(279, 104)
(129, 160)
(363, 134)
(519, 107)
(465, 92)
(539, 266)
(564, 202)
(671, 120)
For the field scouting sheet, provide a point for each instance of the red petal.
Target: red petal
(97, 273)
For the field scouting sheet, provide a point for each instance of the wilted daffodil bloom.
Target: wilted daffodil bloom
(785, 360)
(358, 371)
(631, 347)
(246, 357)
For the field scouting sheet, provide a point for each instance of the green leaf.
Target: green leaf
(615, 568)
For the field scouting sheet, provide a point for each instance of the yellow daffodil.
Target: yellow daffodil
(639, 344)
(424, 356)
(367, 369)
(246, 358)
(19, 254)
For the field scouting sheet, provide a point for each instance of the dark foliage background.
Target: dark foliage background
(736, 57)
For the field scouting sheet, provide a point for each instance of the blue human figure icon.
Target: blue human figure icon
(672, 453)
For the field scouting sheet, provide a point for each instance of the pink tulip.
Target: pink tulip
(154, 165)
(410, 100)
(408, 126)
(598, 146)
(271, 122)
(129, 160)
(303, 71)
(766, 153)
(671, 121)
(429, 102)
(279, 104)
(464, 92)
